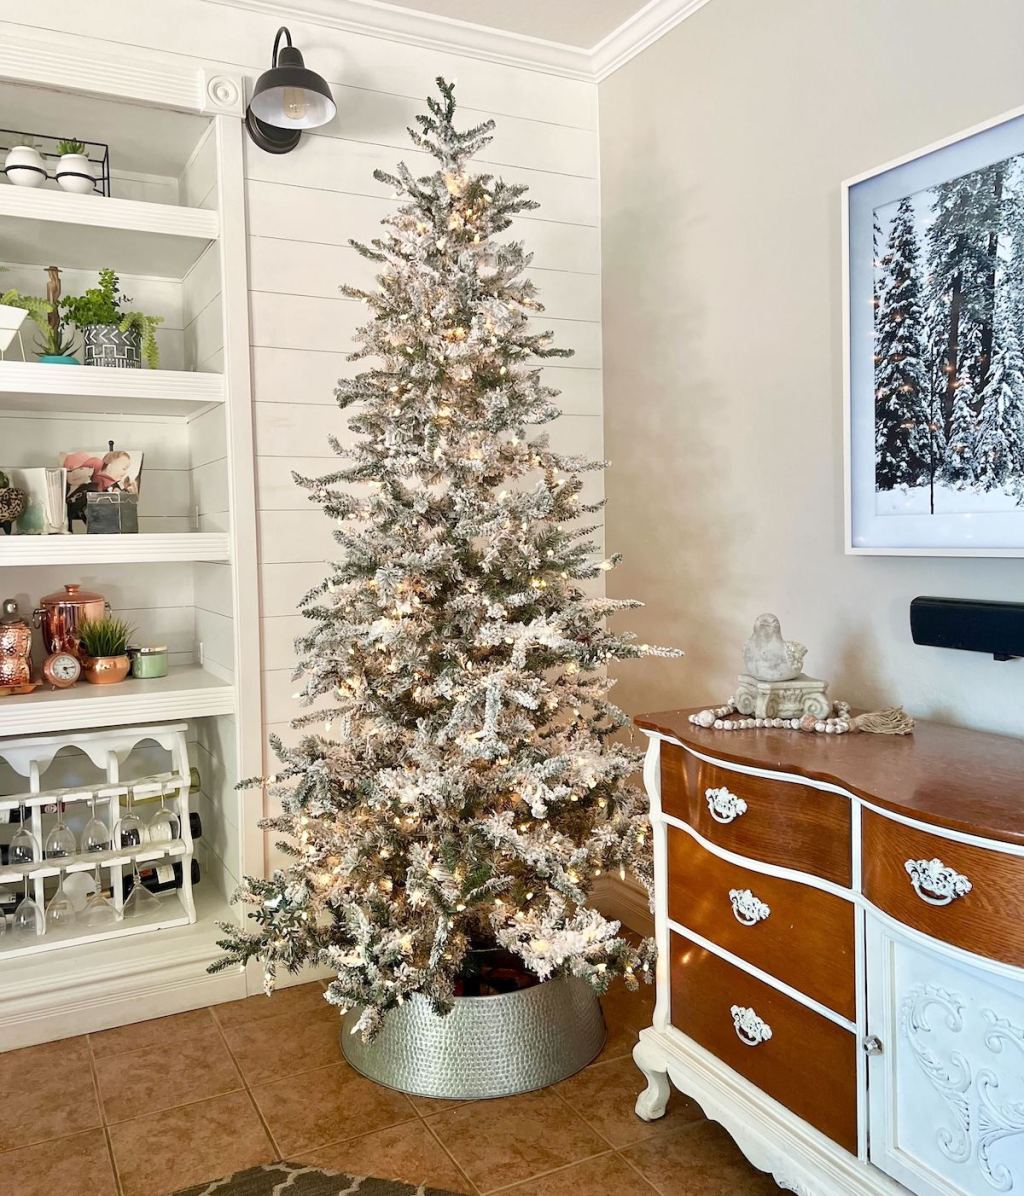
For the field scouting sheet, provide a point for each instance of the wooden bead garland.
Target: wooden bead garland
(716, 717)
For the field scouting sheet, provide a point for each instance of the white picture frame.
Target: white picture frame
(911, 532)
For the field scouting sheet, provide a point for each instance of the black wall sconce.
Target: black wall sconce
(287, 99)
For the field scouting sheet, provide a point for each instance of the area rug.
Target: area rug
(293, 1179)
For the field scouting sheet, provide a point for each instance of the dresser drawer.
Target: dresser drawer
(797, 934)
(803, 1060)
(777, 822)
(965, 895)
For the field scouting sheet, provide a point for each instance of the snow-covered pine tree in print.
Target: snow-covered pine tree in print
(901, 379)
(999, 448)
(961, 444)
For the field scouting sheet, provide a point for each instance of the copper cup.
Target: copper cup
(105, 670)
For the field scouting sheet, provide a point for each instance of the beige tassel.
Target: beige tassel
(893, 721)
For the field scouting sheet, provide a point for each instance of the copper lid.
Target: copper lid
(72, 595)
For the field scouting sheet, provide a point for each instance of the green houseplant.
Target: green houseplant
(112, 336)
(74, 170)
(14, 307)
(54, 344)
(104, 645)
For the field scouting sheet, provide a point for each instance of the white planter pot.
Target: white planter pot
(11, 319)
(75, 174)
(24, 166)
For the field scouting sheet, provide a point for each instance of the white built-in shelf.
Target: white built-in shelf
(43, 869)
(33, 386)
(89, 231)
(188, 692)
(143, 548)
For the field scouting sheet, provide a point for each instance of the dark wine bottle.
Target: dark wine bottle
(160, 877)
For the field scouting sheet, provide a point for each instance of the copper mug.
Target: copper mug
(59, 615)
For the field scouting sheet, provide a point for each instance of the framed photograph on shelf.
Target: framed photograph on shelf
(934, 348)
(99, 471)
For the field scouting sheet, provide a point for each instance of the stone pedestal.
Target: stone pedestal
(782, 699)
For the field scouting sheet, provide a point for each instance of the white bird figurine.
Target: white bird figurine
(768, 657)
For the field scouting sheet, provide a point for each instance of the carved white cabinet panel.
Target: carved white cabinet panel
(946, 1094)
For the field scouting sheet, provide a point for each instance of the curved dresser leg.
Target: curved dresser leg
(651, 1103)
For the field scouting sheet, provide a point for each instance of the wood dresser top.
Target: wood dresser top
(952, 777)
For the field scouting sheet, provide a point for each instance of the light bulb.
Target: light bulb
(294, 103)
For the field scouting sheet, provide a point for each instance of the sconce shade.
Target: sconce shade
(287, 99)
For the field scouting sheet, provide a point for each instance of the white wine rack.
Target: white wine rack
(109, 794)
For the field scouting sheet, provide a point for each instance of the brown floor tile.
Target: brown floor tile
(158, 1031)
(427, 1106)
(269, 1048)
(51, 1092)
(193, 1065)
(408, 1152)
(620, 1041)
(499, 1142)
(604, 1095)
(80, 1164)
(176, 1148)
(298, 998)
(607, 1175)
(699, 1158)
(327, 1106)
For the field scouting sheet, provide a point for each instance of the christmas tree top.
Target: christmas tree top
(457, 787)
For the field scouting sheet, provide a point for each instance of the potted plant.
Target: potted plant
(14, 307)
(74, 170)
(112, 336)
(24, 166)
(56, 344)
(104, 644)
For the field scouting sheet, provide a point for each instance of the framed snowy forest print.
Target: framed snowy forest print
(934, 323)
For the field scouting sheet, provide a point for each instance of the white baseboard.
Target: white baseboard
(624, 900)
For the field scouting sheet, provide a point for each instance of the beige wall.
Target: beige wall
(723, 148)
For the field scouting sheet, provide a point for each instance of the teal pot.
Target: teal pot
(57, 359)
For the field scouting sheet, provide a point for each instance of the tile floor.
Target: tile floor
(147, 1109)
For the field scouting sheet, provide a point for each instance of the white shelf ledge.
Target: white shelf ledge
(39, 226)
(144, 548)
(188, 692)
(32, 386)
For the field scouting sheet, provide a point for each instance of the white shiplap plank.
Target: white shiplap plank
(332, 218)
(283, 584)
(279, 641)
(312, 268)
(334, 164)
(296, 536)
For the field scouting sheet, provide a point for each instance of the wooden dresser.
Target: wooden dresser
(840, 921)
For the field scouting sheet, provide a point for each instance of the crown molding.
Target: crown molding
(642, 29)
(393, 22)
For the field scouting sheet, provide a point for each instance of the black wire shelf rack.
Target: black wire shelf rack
(46, 145)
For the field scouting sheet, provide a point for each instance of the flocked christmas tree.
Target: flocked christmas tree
(458, 786)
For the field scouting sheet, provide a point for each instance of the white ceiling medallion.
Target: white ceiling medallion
(374, 18)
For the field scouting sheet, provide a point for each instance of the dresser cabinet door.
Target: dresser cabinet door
(946, 1093)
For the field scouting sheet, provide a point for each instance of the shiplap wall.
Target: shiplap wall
(302, 209)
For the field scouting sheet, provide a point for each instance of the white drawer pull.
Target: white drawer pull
(724, 806)
(750, 1029)
(935, 883)
(747, 909)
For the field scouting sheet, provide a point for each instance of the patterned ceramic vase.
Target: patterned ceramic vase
(103, 344)
(12, 505)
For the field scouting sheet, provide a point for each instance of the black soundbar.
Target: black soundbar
(970, 625)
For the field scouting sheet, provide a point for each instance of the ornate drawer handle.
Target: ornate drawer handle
(724, 806)
(935, 883)
(747, 909)
(750, 1029)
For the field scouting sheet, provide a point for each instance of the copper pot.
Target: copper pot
(59, 616)
(105, 670)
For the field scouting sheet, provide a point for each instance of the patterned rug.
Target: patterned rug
(291, 1179)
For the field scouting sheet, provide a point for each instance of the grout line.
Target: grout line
(103, 1117)
(629, 1163)
(425, 1122)
(601, 1154)
(245, 1083)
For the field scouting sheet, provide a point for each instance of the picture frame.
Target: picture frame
(933, 274)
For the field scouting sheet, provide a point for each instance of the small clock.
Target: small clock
(61, 670)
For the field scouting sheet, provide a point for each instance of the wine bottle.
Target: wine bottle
(160, 877)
